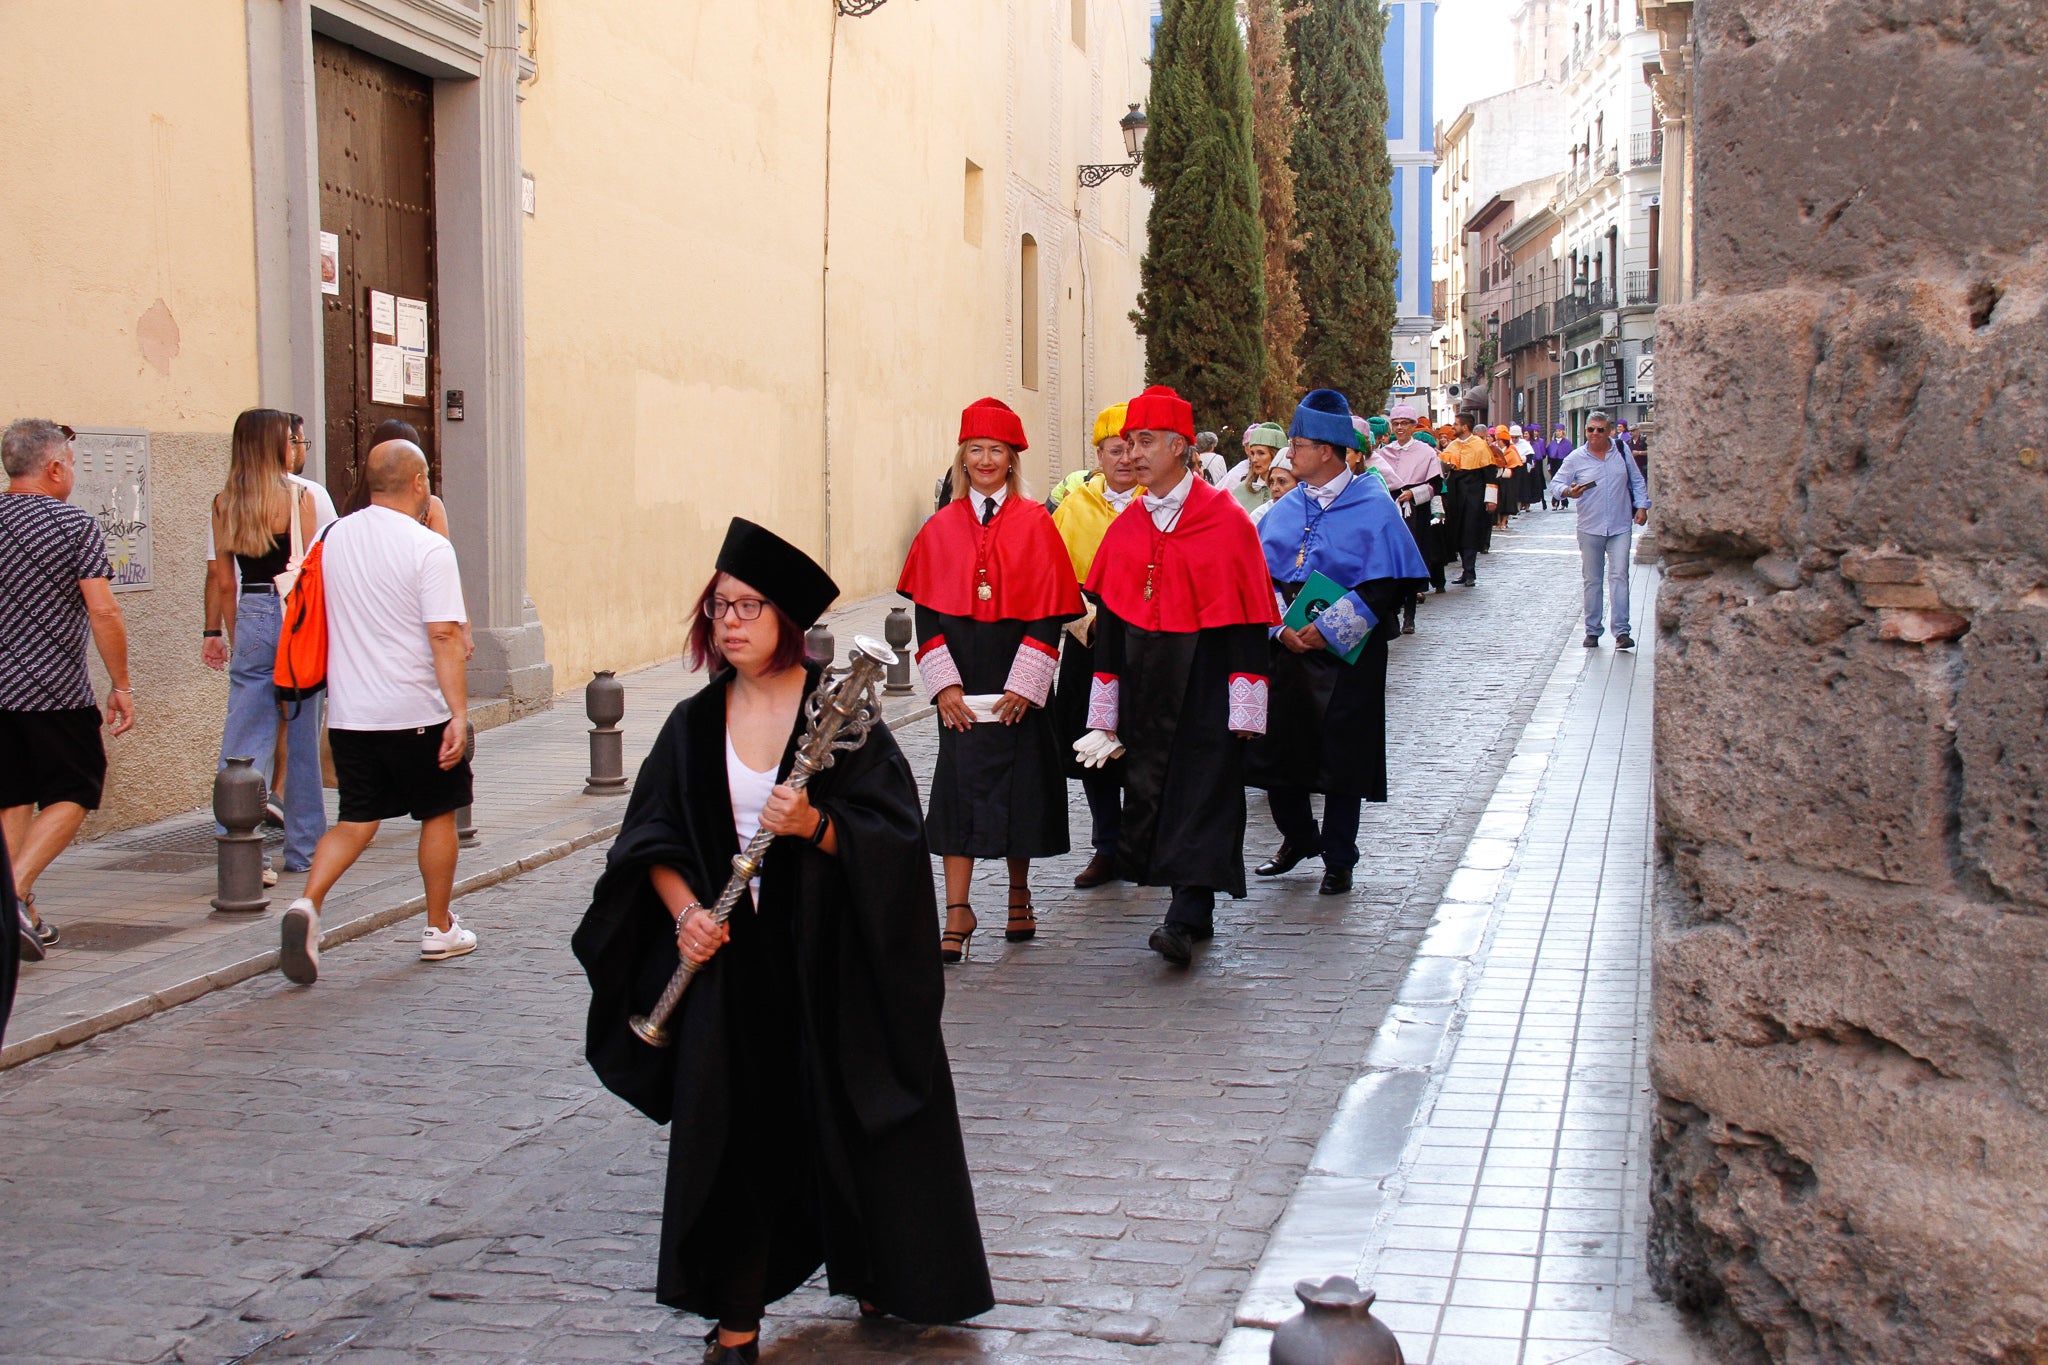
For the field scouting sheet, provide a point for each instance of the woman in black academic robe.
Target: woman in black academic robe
(813, 1106)
(993, 585)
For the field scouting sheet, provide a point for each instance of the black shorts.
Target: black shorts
(52, 756)
(384, 774)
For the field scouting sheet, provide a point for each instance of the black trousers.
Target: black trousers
(1336, 840)
(1105, 810)
(1193, 907)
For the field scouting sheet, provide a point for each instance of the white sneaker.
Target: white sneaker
(300, 952)
(436, 945)
(269, 875)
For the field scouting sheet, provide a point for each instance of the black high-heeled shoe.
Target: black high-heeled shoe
(953, 943)
(715, 1353)
(1023, 925)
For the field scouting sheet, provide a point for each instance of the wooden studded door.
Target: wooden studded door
(376, 197)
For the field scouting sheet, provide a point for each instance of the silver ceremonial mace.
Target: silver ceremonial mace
(838, 717)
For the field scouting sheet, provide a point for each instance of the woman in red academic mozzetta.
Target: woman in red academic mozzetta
(993, 585)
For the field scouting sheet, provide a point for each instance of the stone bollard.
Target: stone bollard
(239, 793)
(897, 632)
(821, 646)
(604, 701)
(1335, 1327)
(465, 816)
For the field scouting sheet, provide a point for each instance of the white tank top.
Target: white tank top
(750, 791)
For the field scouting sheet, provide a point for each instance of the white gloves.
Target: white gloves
(1097, 747)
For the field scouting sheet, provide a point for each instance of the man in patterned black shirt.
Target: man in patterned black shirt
(54, 590)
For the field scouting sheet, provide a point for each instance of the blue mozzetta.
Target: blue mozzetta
(1360, 538)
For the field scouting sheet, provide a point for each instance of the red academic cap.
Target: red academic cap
(1160, 409)
(991, 419)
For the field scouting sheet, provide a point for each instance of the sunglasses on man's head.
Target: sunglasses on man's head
(69, 434)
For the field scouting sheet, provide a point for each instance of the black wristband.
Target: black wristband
(824, 828)
(210, 635)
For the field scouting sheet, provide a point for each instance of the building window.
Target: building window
(1080, 24)
(970, 216)
(1028, 340)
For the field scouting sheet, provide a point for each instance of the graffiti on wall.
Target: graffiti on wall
(113, 485)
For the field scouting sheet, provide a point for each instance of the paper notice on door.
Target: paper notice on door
(383, 314)
(415, 376)
(412, 326)
(387, 373)
(330, 263)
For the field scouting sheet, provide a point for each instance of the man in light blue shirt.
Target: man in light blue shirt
(1611, 495)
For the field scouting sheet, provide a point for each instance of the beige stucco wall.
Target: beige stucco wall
(675, 282)
(127, 298)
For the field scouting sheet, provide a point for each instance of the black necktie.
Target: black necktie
(988, 510)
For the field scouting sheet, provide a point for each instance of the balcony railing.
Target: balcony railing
(1526, 329)
(1587, 169)
(1646, 149)
(1640, 287)
(1577, 306)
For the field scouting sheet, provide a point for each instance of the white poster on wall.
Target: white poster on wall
(113, 485)
(383, 314)
(387, 373)
(330, 263)
(412, 326)
(415, 385)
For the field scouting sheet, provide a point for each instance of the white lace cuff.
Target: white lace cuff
(1248, 703)
(1345, 623)
(935, 662)
(1102, 702)
(1032, 671)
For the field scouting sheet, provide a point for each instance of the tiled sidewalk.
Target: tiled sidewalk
(1486, 1175)
(140, 932)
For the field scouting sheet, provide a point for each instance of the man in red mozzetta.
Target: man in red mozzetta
(1180, 672)
(993, 585)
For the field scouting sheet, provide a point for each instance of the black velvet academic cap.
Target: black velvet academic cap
(777, 570)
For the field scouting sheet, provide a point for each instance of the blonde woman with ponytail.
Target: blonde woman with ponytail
(262, 523)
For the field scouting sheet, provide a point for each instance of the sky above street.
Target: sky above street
(1474, 52)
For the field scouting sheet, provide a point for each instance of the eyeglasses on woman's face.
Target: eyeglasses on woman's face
(746, 608)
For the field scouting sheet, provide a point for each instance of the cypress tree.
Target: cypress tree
(1344, 200)
(1202, 300)
(1274, 119)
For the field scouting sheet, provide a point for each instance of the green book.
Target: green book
(1317, 596)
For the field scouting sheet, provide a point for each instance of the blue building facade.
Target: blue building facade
(1409, 58)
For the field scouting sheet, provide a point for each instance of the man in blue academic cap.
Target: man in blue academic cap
(1327, 727)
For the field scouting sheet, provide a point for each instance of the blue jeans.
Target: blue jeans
(252, 727)
(1608, 556)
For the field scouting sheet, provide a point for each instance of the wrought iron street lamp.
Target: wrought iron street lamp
(1133, 125)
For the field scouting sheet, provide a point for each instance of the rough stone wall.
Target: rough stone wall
(1851, 998)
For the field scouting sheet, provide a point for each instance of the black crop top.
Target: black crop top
(257, 571)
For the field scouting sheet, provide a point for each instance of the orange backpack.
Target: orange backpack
(301, 670)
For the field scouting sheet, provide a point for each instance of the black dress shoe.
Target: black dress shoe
(1282, 862)
(1624, 642)
(1174, 943)
(1468, 581)
(1591, 642)
(1336, 882)
(1101, 869)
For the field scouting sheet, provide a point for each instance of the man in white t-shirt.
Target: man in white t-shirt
(397, 702)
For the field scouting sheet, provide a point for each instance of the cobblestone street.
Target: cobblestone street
(412, 1162)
